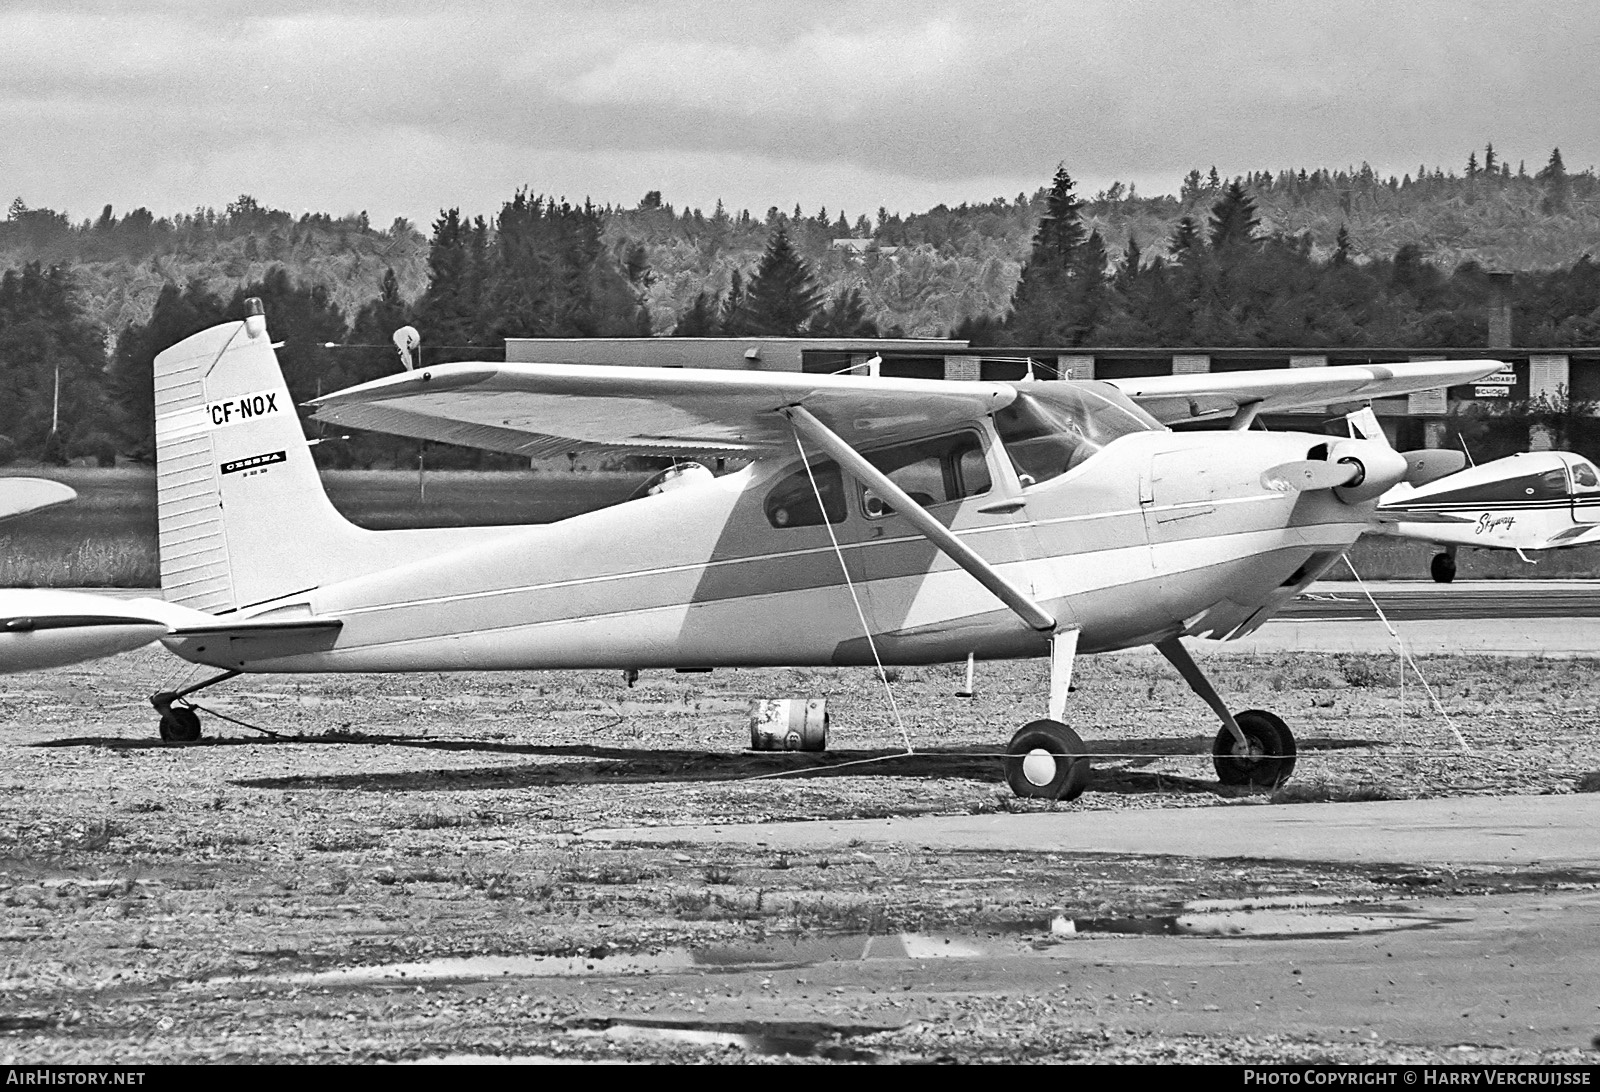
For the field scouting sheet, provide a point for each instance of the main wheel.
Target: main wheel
(180, 725)
(1443, 568)
(1045, 761)
(1267, 761)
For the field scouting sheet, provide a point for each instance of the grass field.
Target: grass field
(107, 538)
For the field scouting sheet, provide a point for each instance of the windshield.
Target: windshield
(1054, 427)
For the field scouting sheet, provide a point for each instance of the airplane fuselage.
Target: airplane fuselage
(1158, 534)
(1533, 501)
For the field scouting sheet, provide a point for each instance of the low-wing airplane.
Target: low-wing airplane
(878, 521)
(1539, 500)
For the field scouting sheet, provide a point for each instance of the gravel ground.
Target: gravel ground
(158, 901)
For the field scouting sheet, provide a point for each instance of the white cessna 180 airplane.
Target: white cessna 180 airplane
(880, 520)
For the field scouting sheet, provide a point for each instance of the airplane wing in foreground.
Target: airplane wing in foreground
(1172, 399)
(548, 409)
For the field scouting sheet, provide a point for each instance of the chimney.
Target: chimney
(1500, 310)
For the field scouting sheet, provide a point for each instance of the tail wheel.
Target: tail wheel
(180, 725)
(1267, 758)
(1045, 761)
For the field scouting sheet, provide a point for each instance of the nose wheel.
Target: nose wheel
(1046, 761)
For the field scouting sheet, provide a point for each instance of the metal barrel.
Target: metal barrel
(789, 724)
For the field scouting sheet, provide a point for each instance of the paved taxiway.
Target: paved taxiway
(1465, 972)
(1516, 970)
(1547, 832)
(1488, 617)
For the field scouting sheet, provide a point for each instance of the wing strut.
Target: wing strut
(934, 531)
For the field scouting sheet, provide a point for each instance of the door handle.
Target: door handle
(1002, 508)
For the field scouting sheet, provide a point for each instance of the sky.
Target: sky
(408, 107)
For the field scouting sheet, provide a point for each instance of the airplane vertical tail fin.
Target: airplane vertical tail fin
(243, 515)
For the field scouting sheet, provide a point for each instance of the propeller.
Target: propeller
(1358, 470)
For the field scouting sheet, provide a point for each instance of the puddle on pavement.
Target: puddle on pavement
(771, 955)
(1262, 917)
(805, 1040)
(802, 1040)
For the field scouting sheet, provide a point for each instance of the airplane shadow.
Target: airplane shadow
(1118, 770)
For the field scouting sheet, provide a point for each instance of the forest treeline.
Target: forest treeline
(1286, 258)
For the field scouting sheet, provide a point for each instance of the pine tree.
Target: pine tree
(1062, 282)
(1233, 219)
(1186, 241)
(702, 319)
(846, 316)
(1341, 246)
(1557, 186)
(782, 295)
(448, 312)
(177, 314)
(45, 334)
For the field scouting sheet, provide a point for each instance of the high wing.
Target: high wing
(540, 410)
(1203, 396)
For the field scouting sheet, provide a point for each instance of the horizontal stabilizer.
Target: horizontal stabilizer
(41, 628)
(266, 627)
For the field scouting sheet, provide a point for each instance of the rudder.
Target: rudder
(242, 513)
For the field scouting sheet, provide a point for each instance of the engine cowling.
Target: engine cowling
(1375, 468)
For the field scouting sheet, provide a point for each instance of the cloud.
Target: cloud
(404, 106)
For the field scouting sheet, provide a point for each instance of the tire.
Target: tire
(1045, 761)
(1271, 757)
(180, 725)
(1443, 568)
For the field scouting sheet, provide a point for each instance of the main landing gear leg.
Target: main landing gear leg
(182, 724)
(1254, 748)
(1045, 758)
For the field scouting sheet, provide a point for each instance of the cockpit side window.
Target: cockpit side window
(1583, 475)
(934, 471)
(1552, 483)
(793, 503)
(1048, 435)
